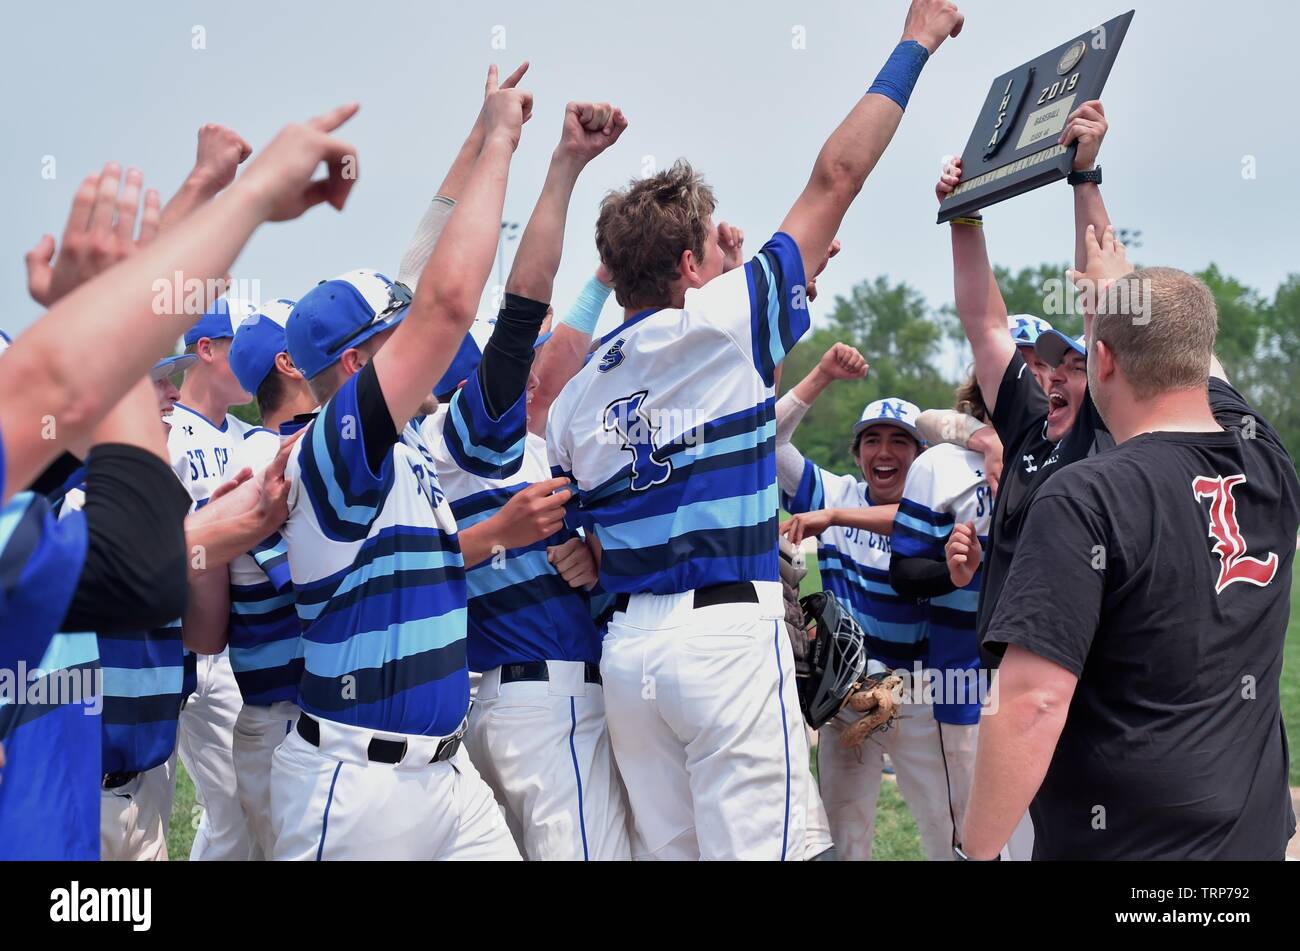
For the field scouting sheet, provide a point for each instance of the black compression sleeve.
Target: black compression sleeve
(376, 421)
(52, 481)
(919, 577)
(135, 571)
(508, 356)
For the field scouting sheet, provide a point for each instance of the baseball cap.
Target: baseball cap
(1052, 347)
(258, 341)
(221, 320)
(169, 366)
(340, 313)
(891, 410)
(5, 341)
(1026, 328)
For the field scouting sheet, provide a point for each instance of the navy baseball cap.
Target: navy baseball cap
(258, 341)
(341, 313)
(894, 412)
(1052, 347)
(168, 366)
(222, 320)
(1026, 329)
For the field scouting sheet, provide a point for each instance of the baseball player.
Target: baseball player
(946, 486)
(203, 432)
(373, 766)
(537, 726)
(668, 433)
(264, 646)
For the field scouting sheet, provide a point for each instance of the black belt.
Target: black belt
(117, 780)
(391, 752)
(537, 670)
(732, 592)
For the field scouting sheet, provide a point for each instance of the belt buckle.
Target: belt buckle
(450, 745)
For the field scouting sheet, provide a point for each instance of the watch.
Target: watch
(1091, 175)
(961, 856)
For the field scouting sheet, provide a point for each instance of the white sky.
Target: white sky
(1199, 85)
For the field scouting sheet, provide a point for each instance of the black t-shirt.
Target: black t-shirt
(1159, 573)
(1028, 460)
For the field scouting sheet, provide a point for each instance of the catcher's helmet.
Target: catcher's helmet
(837, 657)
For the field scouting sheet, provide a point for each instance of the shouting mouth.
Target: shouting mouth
(1058, 404)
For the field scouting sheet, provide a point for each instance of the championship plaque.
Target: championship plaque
(1014, 146)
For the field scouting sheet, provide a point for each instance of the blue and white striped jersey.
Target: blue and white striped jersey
(49, 700)
(207, 445)
(265, 641)
(143, 675)
(378, 578)
(855, 568)
(946, 485)
(520, 609)
(669, 431)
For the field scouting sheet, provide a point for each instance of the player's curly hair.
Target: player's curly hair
(642, 231)
(970, 399)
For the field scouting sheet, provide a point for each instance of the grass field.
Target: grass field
(896, 835)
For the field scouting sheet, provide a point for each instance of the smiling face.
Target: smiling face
(1066, 388)
(884, 454)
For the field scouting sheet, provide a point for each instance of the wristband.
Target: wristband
(898, 76)
(971, 220)
(584, 313)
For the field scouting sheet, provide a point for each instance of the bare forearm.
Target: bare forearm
(134, 422)
(981, 309)
(1015, 749)
(195, 191)
(1089, 209)
(216, 537)
(206, 625)
(533, 273)
(458, 175)
(870, 518)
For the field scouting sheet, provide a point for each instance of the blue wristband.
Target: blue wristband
(584, 313)
(898, 76)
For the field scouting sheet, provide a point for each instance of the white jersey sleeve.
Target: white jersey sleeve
(945, 485)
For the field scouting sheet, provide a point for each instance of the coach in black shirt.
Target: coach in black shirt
(1138, 700)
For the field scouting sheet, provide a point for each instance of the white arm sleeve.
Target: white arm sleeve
(424, 240)
(790, 411)
(939, 426)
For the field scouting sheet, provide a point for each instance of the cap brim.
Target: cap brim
(1052, 346)
(170, 366)
(865, 424)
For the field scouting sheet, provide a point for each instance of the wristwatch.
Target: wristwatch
(1091, 175)
(961, 856)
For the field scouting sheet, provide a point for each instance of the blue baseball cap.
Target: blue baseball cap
(169, 366)
(1052, 347)
(341, 313)
(467, 360)
(1026, 329)
(892, 411)
(222, 320)
(258, 341)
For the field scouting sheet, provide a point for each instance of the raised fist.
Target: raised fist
(590, 128)
(930, 22)
(221, 151)
(842, 362)
(732, 242)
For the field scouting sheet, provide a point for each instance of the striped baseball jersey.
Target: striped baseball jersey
(946, 485)
(265, 647)
(49, 700)
(378, 579)
(143, 685)
(854, 566)
(520, 609)
(669, 431)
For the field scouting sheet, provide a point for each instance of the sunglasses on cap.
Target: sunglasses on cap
(399, 298)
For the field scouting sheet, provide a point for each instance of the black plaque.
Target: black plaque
(1014, 146)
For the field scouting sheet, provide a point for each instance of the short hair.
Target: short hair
(970, 399)
(193, 348)
(1161, 324)
(642, 231)
(271, 393)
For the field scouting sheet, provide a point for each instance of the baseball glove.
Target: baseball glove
(877, 700)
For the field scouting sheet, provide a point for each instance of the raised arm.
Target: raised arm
(452, 282)
(436, 214)
(1087, 126)
(980, 308)
(220, 153)
(856, 145)
(564, 354)
(54, 381)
